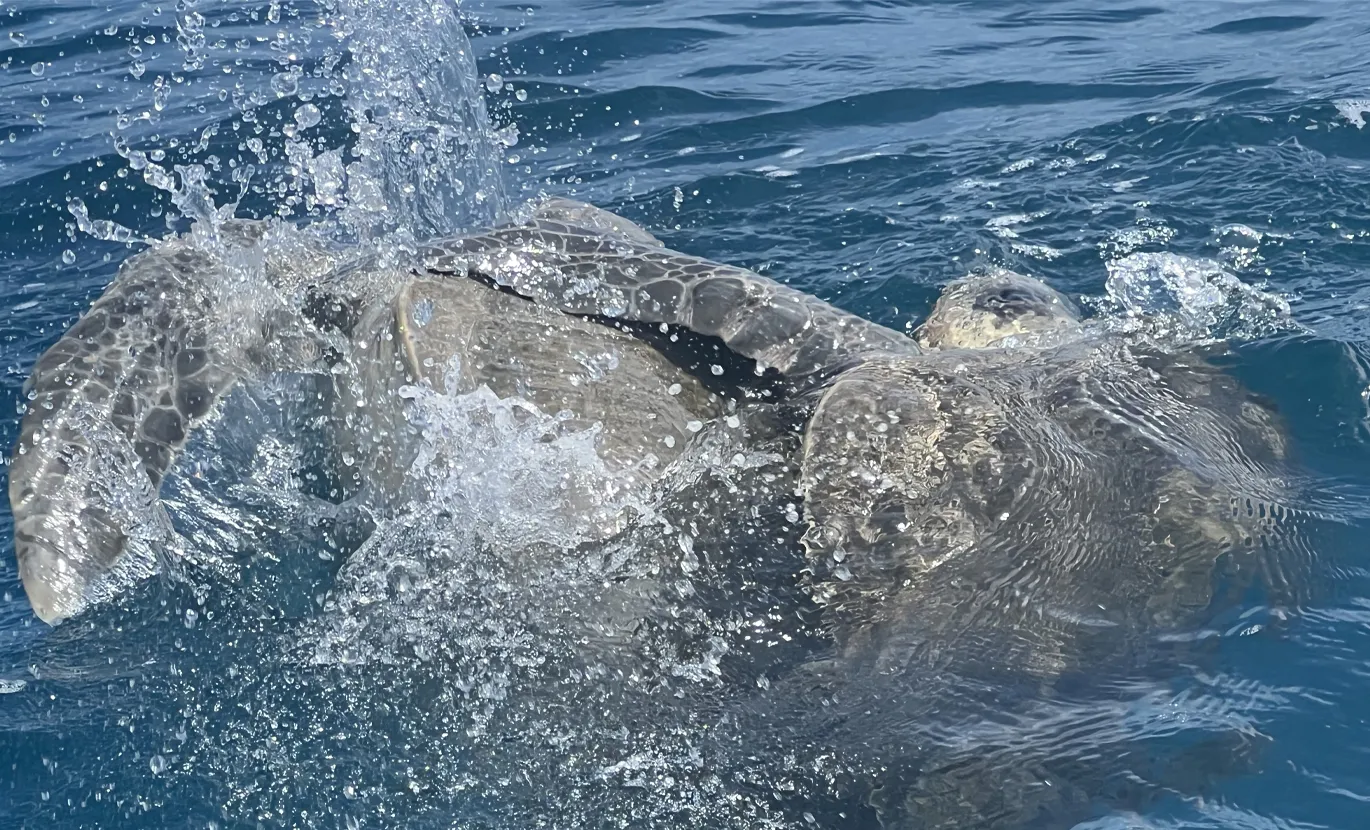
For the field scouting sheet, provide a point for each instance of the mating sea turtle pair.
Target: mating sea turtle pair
(1004, 496)
(1072, 465)
(1013, 499)
(1072, 458)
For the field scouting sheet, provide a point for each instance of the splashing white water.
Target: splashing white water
(521, 477)
(428, 162)
(1354, 110)
(1192, 300)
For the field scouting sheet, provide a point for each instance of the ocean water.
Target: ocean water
(1204, 159)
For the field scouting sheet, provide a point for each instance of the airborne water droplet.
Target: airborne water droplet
(38, 69)
(307, 116)
(68, 256)
(158, 764)
(494, 82)
(286, 83)
(160, 91)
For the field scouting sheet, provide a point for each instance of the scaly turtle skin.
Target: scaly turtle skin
(113, 400)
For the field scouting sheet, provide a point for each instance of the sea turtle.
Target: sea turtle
(1005, 502)
(1005, 419)
(112, 401)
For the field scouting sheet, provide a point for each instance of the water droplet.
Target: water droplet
(38, 69)
(158, 177)
(286, 83)
(158, 764)
(521, 94)
(160, 90)
(694, 426)
(19, 38)
(69, 256)
(689, 563)
(494, 82)
(673, 389)
(307, 116)
(716, 369)
(507, 136)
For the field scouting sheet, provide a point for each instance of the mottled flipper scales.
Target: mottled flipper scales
(111, 405)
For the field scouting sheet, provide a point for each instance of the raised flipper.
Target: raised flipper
(114, 399)
(571, 257)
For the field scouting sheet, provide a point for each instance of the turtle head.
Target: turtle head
(985, 310)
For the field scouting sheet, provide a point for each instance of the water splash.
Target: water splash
(1354, 110)
(1185, 299)
(520, 476)
(103, 229)
(428, 164)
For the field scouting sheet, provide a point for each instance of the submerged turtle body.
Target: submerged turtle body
(114, 400)
(1007, 500)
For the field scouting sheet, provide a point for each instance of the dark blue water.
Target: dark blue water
(864, 151)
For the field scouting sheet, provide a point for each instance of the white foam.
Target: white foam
(1189, 299)
(1354, 110)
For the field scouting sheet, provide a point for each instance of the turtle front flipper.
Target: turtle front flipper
(610, 268)
(111, 404)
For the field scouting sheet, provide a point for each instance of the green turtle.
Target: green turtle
(112, 402)
(1009, 499)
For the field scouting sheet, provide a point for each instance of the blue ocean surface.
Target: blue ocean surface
(1201, 160)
